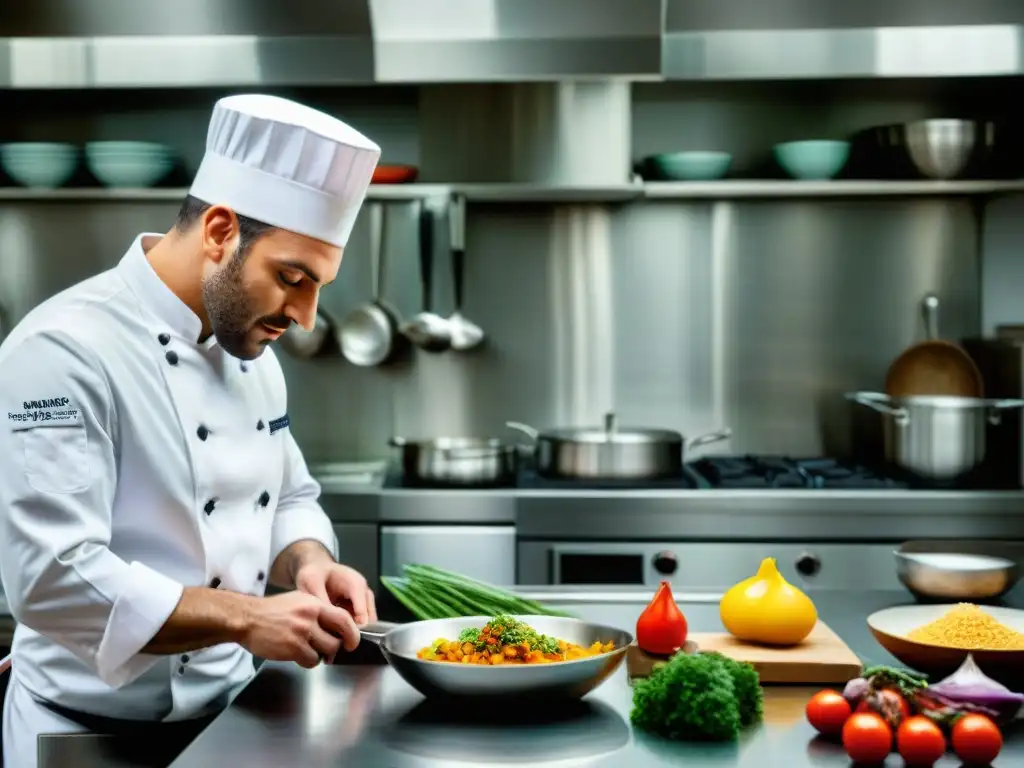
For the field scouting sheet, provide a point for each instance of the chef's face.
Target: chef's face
(253, 291)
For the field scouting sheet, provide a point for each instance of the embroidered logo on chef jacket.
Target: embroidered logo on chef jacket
(279, 424)
(46, 412)
(53, 460)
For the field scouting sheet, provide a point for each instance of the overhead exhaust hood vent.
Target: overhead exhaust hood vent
(239, 43)
(794, 39)
(184, 43)
(431, 41)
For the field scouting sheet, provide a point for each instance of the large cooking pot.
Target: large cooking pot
(467, 461)
(938, 438)
(614, 452)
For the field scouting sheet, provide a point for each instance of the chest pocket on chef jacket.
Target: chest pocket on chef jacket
(56, 458)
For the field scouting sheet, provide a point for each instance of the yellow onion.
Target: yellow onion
(767, 609)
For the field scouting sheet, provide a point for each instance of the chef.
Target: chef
(150, 486)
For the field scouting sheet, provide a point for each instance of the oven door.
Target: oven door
(705, 567)
(612, 582)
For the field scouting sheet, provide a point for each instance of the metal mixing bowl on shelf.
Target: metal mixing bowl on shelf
(941, 149)
(965, 571)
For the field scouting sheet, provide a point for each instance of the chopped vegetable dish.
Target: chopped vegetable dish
(505, 640)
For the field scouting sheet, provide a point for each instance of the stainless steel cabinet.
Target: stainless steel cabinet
(357, 548)
(484, 552)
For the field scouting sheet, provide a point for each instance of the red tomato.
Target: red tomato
(920, 741)
(828, 711)
(661, 628)
(867, 738)
(976, 739)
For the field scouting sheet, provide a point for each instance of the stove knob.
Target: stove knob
(808, 564)
(666, 563)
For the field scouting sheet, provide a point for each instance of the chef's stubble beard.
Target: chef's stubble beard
(229, 308)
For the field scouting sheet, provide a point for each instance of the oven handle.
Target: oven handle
(565, 594)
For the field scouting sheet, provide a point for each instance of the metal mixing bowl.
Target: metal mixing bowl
(940, 149)
(954, 571)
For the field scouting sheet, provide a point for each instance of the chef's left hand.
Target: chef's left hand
(339, 585)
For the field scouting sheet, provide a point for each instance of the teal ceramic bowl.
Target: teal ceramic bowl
(132, 164)
(39, 165)
(127, 148)
(809, 160)
(690, 166)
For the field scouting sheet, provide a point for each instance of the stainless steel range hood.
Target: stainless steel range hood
(184, 43)
(194, 43)
(823, 39)
(189, 43)
(516, 40)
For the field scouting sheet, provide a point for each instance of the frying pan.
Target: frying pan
(437, 679)
(933, 367)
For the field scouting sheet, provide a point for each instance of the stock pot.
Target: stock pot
(935, 437)
(612, 452)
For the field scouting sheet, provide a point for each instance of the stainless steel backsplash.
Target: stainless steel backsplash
(753, 315)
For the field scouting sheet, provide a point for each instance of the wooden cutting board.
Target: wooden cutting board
(822, 659)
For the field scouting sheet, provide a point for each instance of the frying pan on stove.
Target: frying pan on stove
(933, 366)
(435, 679)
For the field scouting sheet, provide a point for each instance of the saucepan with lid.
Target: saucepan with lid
(571, 679)
(613, 452)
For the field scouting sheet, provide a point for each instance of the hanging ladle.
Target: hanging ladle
(465, 333)
(428, 331)
(367, 334)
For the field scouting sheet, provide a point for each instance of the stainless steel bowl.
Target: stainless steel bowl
(566, 679)
(941, 149)
(965, 571)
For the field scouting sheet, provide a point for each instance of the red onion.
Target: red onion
(970, 685)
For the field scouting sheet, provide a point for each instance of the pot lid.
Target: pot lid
(613, 433)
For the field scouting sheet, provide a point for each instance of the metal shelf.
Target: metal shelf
(785, 188)
(395, 192)
(532, 193)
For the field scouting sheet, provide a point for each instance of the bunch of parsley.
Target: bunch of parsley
(698, 697)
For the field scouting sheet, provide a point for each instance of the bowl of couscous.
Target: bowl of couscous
(935, 639)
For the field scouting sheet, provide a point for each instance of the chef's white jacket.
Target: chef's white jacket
(137, 461)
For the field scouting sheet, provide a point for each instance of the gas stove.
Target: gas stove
(749, 472)
(767, 472)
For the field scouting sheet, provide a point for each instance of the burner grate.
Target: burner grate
(784, 472)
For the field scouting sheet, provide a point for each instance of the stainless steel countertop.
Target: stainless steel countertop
(365, 715)
(779, 514)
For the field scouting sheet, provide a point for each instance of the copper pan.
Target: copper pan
(933, 367)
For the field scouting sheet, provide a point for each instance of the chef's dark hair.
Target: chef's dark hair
(249, 230)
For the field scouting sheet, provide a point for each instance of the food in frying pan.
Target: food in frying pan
(505, 640)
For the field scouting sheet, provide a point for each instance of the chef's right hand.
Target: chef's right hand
(298, 627)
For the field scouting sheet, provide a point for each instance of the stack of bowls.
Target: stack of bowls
(128, 163)
(37, 164)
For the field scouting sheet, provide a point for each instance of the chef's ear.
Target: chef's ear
(220, 232)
